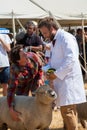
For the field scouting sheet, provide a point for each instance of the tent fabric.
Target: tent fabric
(68, 12)
(20, 9)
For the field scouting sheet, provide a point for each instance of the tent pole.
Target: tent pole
(84, 51)
(13, 27)
(50, 13)
(21, 25)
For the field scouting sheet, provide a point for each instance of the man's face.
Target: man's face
(30, 30)
(47, 33)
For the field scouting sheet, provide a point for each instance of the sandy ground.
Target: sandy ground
(57, 122)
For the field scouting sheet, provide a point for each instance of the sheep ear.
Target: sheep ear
(39, 89)
(36, 91)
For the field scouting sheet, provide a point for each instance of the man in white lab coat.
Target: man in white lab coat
(67, 79)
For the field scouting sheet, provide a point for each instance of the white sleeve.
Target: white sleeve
(7, 39)
(70, 57)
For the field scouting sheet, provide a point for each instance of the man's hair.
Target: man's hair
(85, 29)
(47, 22)
(29, 23)
(14, 54)
(79, 30)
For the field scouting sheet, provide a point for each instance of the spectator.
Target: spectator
(80, 45)
(72, 31)
(85, 35)
(30, 38)
(4, 61)
(79, 39)
(67, 77)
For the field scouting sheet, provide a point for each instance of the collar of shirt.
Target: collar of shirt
(53, 42)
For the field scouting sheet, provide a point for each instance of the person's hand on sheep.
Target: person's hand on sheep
(14, 114)
(40, 82)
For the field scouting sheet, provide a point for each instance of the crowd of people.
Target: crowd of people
(21, 73)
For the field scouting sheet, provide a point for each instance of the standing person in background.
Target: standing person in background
(30, 39)
(67, 77)
(4, 61)
(85, 37)
(79, 39)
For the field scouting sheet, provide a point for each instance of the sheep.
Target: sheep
(82, 113)
(36, 112)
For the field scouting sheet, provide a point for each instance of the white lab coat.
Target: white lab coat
(64, 58)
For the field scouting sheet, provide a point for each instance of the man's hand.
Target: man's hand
(14, 114)
(51, 76)
(40, 82)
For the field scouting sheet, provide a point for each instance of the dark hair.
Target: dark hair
(29, 23)
(20, 36)
(14, 54)
(48, 22)
(85, 29)
(79, 30)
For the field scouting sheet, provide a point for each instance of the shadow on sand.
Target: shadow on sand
(57, 129)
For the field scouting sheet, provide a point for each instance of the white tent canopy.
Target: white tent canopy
(21, 9)
(68, 12)
(25, 8)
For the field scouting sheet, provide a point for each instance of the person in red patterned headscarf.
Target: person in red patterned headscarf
(26, 75)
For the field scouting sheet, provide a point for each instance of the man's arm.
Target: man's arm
(11, 95)
(5, 44)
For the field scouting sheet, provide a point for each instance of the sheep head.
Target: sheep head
(45, 94)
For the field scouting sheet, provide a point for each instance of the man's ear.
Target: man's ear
(34, 28)
(51, 29)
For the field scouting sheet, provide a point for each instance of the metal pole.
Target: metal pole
(84, 49)
(21, 25)
(49, 12)
(13, 27)
(51, 15)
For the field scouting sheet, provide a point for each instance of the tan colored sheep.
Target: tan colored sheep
(82, 113)
(36, 111)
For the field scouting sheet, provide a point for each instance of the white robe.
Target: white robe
(69, 84)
